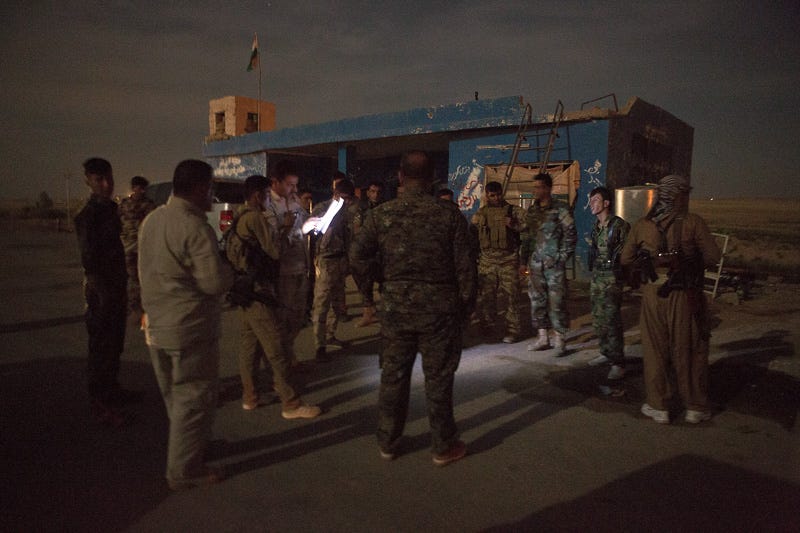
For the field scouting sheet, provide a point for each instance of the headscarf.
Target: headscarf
(669, 188)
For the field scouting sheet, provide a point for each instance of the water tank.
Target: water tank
(632, 203)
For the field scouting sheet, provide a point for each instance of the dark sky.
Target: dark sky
(131, 81)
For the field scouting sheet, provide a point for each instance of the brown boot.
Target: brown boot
(368, 317)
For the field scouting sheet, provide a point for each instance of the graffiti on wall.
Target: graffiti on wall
(237, 167)
(468, 194)
(592, 180)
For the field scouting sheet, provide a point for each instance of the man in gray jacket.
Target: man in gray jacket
(182, 280)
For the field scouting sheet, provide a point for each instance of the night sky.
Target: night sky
(131, 81)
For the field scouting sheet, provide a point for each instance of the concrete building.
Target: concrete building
(472, 143)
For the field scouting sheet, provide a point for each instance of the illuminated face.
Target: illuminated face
(597, 205)
(287, 187)
(101, 184)
(494, 198)
(373, 193)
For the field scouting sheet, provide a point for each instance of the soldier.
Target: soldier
(421, 248)
(365, 284)
(608, 236)
(498, 225)
(260, 330)
(132, 211)
(675, 246)
(286, 217)
(103, 258)
(547, 245)
(330, 262)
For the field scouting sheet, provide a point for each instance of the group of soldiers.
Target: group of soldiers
(666, 253)
(418, 248)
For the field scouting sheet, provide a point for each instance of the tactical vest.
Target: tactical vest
(493, 232)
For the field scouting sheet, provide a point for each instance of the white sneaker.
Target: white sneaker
(695, 417)
(662, 417)
(616, 372)
(599, 360)
(302, 411)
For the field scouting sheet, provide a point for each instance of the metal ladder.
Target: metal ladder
(522, 133)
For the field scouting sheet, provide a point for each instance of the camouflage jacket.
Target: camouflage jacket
(606, 246)
(550, 236)
(358, 211)
(131, 214)
(422, 249)
(98, 228)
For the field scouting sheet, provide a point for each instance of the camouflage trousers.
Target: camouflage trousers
(437, 337)
(606, 296)
(547, 289)
(499, 276)
(329, 295)
(134, 290)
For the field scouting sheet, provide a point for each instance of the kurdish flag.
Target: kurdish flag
(253, 54)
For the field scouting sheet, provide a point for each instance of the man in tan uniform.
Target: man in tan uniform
(678, 245)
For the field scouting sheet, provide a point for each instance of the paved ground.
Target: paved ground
(549, 449)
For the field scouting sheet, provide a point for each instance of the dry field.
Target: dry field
(764, 233)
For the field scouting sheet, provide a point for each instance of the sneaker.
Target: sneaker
(661, 417)
(302, 411)
(695, 417)
(457, 451)
(510, 339)
(387, 456)
(255, 404)
(599, 360)
(616, 372)
(212, 476)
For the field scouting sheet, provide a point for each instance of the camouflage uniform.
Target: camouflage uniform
(103, 258)
(606, 286)
(330, 262)
(131, 214)
(365, 283)
(498, 264)
(547, 244)
(421, 246)
(293, 279)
